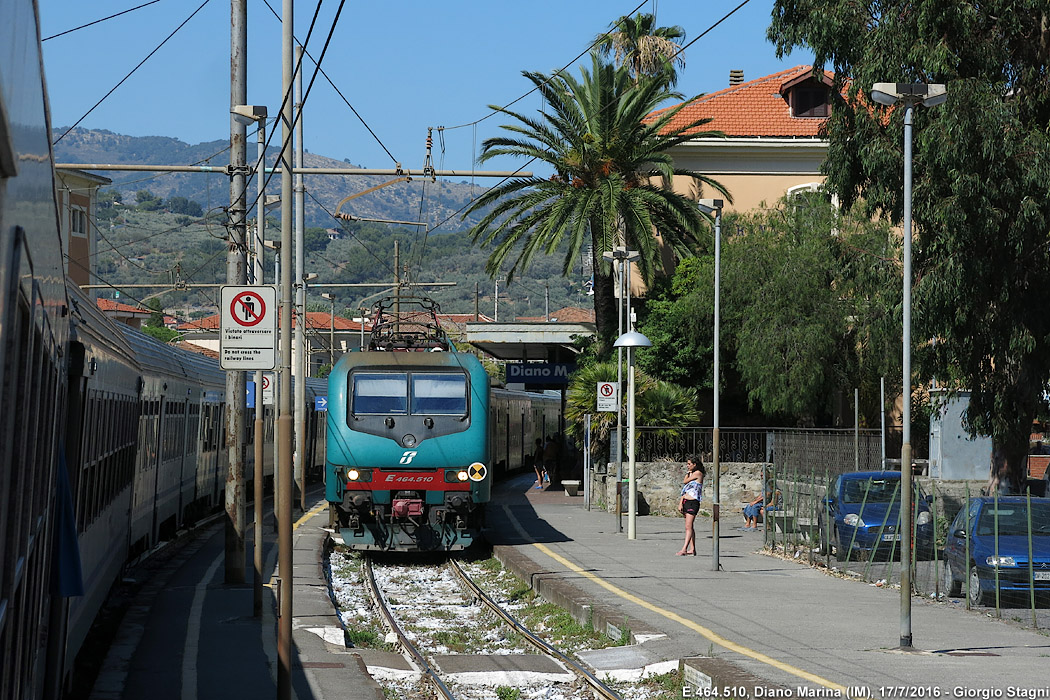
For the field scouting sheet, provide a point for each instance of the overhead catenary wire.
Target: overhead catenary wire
(140, 64)
(97, 21)
(339, 92)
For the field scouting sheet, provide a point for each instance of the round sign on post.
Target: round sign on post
(608, 396)
(248, 309)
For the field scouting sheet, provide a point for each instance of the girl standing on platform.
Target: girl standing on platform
(689, 501)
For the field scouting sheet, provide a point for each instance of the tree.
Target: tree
(147, 201)
(980, 204)
(809, 311)
(181, 205)
(645, 49)
(657, 403)
(605, 152)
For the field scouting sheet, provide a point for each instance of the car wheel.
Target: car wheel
(979, 595)
(836, 547)
(952, 588)
(823, 546)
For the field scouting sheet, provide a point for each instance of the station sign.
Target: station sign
(540, 375)
(248, 328)
(320, 403)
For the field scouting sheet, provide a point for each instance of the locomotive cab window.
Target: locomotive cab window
(439, 394)
(380, 394)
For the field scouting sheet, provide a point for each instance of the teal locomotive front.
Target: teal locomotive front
(407, 451)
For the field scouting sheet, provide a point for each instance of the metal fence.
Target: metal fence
(791, 449)
(987, 552)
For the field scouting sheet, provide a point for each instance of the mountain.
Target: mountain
(141, 243)
(440, 200)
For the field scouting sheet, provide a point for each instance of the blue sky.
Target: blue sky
(403, 65)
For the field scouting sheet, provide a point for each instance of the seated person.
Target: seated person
(751, 513)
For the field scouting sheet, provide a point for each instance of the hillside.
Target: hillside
(401, 202)
(164, 248)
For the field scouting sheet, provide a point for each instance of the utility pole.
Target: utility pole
(235, 275)
(284, 423)
(300, 290)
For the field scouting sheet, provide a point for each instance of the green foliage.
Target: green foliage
(181, 205)
(147, 201)
(808, 311)
(981, 165)
(504, 692)
(657, 403)
(595, 135)
(645, 49)
(164, 335)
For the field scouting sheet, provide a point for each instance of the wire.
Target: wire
(583, 53)
(89, 24)
(113, 89)
(352, 235)
(338, 91)
(288, 95)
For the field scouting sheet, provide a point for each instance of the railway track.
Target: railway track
(452, 591)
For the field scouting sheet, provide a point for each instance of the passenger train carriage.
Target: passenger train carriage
(416, 435)
(109, 440)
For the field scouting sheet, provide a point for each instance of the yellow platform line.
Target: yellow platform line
(698, 628)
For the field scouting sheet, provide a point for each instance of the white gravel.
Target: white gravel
(440, 617)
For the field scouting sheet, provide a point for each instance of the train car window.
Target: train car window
(379, 394)
(439, 394)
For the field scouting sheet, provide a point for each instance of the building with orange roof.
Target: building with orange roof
(772, 143)
(134, 316)
(322, 331)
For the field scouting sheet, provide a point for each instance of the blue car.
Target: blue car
(979, 563)
(861, 517)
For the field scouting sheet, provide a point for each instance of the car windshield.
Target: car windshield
(1013, 519)
(879, 490)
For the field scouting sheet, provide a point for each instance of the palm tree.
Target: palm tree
(607, 148)
(644, 48)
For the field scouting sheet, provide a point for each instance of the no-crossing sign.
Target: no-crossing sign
(608, 399)
(248, 335)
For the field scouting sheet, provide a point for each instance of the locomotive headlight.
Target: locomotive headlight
(409, 440)
(462, 475)
(353, 475)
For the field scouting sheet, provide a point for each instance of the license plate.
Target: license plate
(1042, 575)
(895, 538)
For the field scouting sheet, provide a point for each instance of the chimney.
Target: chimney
(736, 77)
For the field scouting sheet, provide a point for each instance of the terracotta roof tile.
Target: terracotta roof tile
(753, 109)
(111, 305)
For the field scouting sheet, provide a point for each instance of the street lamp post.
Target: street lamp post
(631, 340)
(331, 330)
(928, 95)
(714, 206)
(248, 114)
(618, 256)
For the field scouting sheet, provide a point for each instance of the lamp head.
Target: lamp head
(632, 339)
(247, 114)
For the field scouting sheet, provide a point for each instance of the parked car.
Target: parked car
(1009, 550)
(861, 514)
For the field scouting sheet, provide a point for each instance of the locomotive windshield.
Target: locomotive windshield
(388, 393)
(380, 394)
(439, 394)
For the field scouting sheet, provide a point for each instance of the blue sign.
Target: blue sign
(320, 403)
(543, 375)
(250, 403)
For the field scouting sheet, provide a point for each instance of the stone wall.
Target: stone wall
(660, 483)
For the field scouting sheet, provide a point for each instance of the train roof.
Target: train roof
(89, 323)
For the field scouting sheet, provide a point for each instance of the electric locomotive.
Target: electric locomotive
(407, 443)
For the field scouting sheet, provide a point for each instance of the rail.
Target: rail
(402, 638)
(599, 687)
